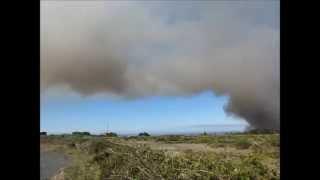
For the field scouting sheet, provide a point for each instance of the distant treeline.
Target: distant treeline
(108, 134)
(81, 133)
(145, 134)
(262, 131)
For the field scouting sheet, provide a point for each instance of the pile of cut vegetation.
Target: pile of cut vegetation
(101, 158)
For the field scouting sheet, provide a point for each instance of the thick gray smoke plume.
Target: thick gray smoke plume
(134, 49)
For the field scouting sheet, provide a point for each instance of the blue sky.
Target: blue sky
(202, 112)
(171, 49)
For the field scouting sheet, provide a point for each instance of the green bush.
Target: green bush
(77, 133)
(243, 144)
(143, 134)
(111, 134)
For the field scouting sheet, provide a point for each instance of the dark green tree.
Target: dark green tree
(111, 134)
(144, 134)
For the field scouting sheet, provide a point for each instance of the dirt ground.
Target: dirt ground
(51, 163)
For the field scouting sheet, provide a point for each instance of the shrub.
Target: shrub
(111, 134)
(108, 159)
(81, 133)
(144, 134)
(243, 144)
(262, 131)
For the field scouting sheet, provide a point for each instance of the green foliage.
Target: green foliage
(81, 133)
(243, 143)
(109, 158)
(262, 131)
(173, 139)
(144, 134)
(111, 134)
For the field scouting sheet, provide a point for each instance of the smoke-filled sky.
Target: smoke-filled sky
(130, 51)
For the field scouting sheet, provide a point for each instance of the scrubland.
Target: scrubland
(207, 157)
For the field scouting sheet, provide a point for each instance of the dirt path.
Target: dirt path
(51, 162)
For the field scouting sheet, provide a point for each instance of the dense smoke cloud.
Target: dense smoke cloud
(166, 48)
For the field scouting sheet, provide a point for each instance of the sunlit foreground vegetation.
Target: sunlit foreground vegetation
(233, 156)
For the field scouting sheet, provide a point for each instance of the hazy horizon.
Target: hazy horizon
(210, 129)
